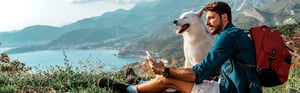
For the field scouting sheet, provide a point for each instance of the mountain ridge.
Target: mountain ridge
(144, 22)
(280, 12)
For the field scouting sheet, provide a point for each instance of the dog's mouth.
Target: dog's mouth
(182, 28)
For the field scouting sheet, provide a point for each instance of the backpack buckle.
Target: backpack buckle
(272, 57)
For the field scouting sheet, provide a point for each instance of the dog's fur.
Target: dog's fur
(197, 40)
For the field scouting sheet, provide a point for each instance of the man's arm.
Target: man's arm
(185, 74)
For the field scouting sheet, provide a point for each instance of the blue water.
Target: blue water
(83, 59)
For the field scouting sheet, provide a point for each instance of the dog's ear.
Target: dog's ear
(200, 12)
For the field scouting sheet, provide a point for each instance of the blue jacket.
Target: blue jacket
(230, 47)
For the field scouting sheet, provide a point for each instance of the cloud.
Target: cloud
(112, 1)
(81, 1)
(132, 1)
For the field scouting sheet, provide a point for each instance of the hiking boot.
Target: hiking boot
(114, 85)
(131, 77)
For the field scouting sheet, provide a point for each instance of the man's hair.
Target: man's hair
(220, 8)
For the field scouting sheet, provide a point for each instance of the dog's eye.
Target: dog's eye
(184, 17)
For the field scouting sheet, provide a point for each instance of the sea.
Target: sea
(98, 60)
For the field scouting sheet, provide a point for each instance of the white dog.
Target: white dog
(197, 39)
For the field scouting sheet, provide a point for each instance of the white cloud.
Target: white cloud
(81, 1)
(132, 1)
(112, 1)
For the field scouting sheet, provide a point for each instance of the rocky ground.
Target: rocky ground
(293, 42)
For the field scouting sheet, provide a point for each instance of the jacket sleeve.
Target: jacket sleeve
(223, 49)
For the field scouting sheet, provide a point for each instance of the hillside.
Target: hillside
(291, 36)
(279, 12)
(32, 35)
(165, 48)
(117, 29)
(173, 47)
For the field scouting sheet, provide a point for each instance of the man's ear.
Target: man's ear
(224, 17)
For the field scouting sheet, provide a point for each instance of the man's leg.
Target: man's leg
(156, 85)
(160, 84)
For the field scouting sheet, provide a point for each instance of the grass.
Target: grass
(68, 78)
(291, 86)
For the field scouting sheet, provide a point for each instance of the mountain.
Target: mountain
(135, 49)
(147, 21)
(279, 12)
(89, 37)
(32, 35)
(240, 5)
(165, 48)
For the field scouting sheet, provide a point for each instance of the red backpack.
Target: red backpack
(273, 59)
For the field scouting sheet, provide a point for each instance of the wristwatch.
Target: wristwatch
(166, 72)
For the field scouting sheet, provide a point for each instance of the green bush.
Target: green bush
(7, 89)
(66, 78)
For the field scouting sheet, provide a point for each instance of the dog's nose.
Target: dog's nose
(175, 21)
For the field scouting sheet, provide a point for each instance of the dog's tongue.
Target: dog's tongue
(179, 30)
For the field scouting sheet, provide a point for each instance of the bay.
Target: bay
(105, 60)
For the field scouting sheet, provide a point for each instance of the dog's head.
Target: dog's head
(186, 20)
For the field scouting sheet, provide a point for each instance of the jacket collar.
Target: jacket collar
(229, 25)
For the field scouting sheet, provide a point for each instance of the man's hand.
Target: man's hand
(157, 68)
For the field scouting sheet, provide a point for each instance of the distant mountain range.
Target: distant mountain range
(32, 35)
(127, 30)
(279, 12)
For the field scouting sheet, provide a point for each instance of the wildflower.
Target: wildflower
(61, 67)
(287, 87)
(80, 63)
(174, 62)
(182, 59)
(88, 61)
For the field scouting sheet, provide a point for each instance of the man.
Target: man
(231, 48)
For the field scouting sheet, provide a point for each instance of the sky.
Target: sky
(18, 14)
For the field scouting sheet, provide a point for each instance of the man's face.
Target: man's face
(214, 22)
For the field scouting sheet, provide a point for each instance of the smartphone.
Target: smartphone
(148, 54)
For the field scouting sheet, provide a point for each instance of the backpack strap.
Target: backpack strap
(253, 86)
(289, 48)
(243, 63)
(249, 65)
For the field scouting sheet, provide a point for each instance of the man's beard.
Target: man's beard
(218, 28)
